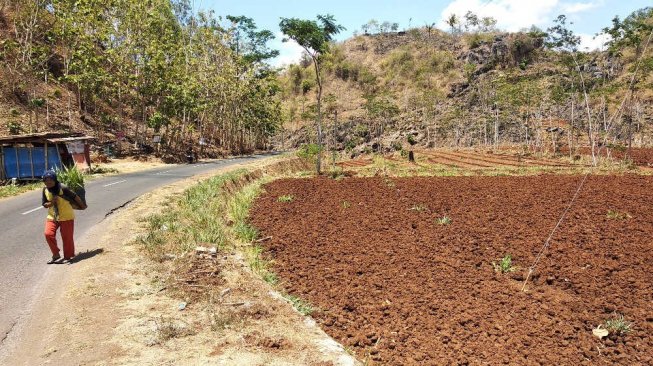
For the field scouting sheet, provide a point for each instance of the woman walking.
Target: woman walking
(56, 198)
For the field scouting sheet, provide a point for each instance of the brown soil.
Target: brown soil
(469, 159)
(640, 156)
(399, 289)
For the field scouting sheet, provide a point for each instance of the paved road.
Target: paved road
(23, 251)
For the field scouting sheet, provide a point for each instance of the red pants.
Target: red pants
(67, 229)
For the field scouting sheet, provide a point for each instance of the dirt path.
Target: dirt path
(400, 288)
(111, 309)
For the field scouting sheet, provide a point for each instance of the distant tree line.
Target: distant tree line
(155, 66)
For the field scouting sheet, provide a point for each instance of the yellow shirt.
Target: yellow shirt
(64, 208)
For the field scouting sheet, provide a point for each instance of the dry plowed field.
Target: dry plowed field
(398, 288)
(478, 160)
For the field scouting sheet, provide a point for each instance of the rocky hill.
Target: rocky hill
(431, 88)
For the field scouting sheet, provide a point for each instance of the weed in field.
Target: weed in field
(616, 215)
(420, 207)
(286, 198)
(504, 265)
(617, 325)
(444, 220)
(346, 204)
(302, 306)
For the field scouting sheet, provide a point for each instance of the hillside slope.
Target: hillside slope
(431, 88)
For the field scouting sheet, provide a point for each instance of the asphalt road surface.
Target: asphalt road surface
(23, 251)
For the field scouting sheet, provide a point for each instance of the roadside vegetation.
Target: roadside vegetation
(211, 218)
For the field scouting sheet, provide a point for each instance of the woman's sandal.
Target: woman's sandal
(54, 259)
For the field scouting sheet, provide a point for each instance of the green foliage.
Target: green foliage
(248, 42)
(411, 139)
(561, 37)
(444, 220)
(618, 325)
(286, 198)
(302, 306)
(71, 177)
(11, 190)
(475, 40)
(308, 151)
(14, 127)
(631, 32)
(468, 70)
(504, 265)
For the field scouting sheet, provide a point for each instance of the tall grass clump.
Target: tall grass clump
(194, 218)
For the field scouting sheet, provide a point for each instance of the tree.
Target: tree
(563, 39)
(471, 21)
(454, 23)
(249, 42)
(314, 37)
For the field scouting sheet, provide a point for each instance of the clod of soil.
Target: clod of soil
(399, 289)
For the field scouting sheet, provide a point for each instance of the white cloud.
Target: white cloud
(573, 8)
(513, 15)
(589, 42)
(289, 52)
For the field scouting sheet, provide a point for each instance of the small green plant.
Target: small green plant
(302, 306)
(616, 215)
(14, 127)
(617, 325)
(346, 204)
(444, 220)
(504, 265)
(286, 198)
(420, 207)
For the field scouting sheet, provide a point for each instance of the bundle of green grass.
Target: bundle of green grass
(72, 178)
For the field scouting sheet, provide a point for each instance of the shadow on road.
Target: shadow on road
(86, 255)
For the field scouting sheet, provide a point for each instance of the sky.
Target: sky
(588, 16)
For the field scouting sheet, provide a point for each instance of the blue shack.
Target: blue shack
(26, 157)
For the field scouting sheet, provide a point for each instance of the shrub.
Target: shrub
(308, 151)
(444, 220)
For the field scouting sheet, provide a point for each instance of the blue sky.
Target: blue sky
(589, 16)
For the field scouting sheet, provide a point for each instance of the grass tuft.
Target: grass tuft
(444, 220)
(302, 306)
(616, 215)
(286, 198)
(617, 325)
